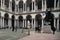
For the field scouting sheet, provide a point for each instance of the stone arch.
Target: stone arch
(20, 21)
(38, 19)
(29, 17)
(6, 17)
(21, 5)
(12, 20)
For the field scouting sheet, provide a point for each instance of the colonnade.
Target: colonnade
(24, 23)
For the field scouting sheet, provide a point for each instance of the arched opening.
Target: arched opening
(6, 3)
(12, 21)
(20, 21)
(39, 4)
(21, 5)
(59, 21)
(13, 5)
(6, 17)
(29, 4)
(28, 18)
(38, 19)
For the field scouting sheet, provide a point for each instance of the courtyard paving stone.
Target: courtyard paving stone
(7, 34)
(42, 36)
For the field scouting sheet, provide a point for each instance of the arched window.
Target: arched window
(29, 17)
(29, 4)
(7, 3)
(21, 5)
(39, 4)
(13, 5)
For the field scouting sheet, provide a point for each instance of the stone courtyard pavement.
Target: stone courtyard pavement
(42, 36)
(7, 34)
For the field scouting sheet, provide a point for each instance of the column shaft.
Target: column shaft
(1, 3)
(58, 4)
(58, 24)
(23, 23)
(45, 5)
(54, 22)
(32, 5)
(3, 21)
(32, 23)
(23, 7)
(54, 4)
(42, 5)
(42, 25)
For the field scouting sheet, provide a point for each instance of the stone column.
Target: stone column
(3, 21)
(0, 21)
(18, 9)
(10, 5)
(42, 25)
(3, 3)
(15, 22)
(32, 23)
(23, 23)
(32, 6)
(58, 4)
(15, 8)
(42, 5)
(23, 7)
(45, 5)
(54, 4)
(58, 24)
(54, 22)
(9, 23)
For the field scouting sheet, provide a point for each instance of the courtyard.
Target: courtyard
(7, 34)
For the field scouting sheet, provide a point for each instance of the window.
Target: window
(50, 3)
(7, 3)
